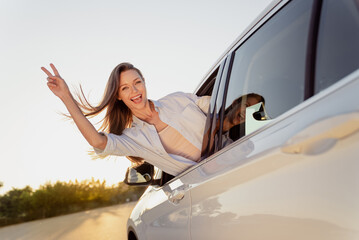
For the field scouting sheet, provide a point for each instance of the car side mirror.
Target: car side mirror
(142, 175)
(256, 117)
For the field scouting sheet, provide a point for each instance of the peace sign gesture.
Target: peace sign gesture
(59, 87)
(55, 83)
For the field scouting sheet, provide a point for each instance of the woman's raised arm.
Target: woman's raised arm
(59, 87)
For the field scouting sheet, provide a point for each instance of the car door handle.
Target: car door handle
(323, 135)
(176, 196)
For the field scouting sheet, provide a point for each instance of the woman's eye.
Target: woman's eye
(124, 88)
(137, 82)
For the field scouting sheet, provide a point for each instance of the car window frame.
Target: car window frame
(213, 102)
(310, 67)
(312, 49)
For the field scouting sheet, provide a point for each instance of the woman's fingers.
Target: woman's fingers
(54, 69)
(47, 72)
(51, 79)
(55, 83)
(51, 85)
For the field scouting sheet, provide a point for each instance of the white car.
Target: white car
(290, 168)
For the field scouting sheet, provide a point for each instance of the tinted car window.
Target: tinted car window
(270, 66)
(338, 42)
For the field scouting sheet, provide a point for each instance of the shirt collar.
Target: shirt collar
(157, 104)
(139, 122)
(136, 121)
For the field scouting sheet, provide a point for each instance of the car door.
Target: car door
(164, 212)
(296, 176)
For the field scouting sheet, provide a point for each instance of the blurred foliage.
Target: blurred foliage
(21, 205)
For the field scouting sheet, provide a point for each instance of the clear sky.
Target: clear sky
(174, 43)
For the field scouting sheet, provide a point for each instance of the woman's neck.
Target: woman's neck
(144, 113)
(150, 115)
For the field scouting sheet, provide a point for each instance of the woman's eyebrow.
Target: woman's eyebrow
(132, 81)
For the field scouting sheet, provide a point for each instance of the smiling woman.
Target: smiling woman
(134, 125)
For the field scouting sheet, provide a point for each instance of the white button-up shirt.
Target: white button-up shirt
(185, 112)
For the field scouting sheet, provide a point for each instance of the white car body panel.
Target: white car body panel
(294, 178)
(280, 195)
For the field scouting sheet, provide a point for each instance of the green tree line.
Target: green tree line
(21, 205)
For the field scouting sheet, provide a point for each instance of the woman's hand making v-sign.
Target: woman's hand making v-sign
(56, 84)
(59, 87)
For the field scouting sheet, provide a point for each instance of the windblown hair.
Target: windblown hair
(118, 115)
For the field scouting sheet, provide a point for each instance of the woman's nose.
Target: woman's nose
(134, 89)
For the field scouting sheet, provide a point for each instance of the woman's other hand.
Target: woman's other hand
(55, 83)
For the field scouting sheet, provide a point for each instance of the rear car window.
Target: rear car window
(338, 42)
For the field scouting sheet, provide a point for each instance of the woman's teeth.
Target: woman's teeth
(137, 98)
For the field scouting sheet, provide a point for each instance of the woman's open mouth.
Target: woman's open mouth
(137, 98)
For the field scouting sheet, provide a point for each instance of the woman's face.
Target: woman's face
(132, 90)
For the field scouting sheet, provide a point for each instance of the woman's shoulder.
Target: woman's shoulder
(179, 96)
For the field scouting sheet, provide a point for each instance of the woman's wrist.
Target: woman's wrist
(67, 97)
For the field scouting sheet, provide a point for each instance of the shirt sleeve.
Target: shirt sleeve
(120, 145)
(202, 102)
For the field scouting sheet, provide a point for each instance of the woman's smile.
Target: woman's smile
(132, 90)
(137, 99)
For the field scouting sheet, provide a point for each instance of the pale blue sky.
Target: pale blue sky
(174, 43)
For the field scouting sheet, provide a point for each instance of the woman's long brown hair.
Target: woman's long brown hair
(118, 115)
